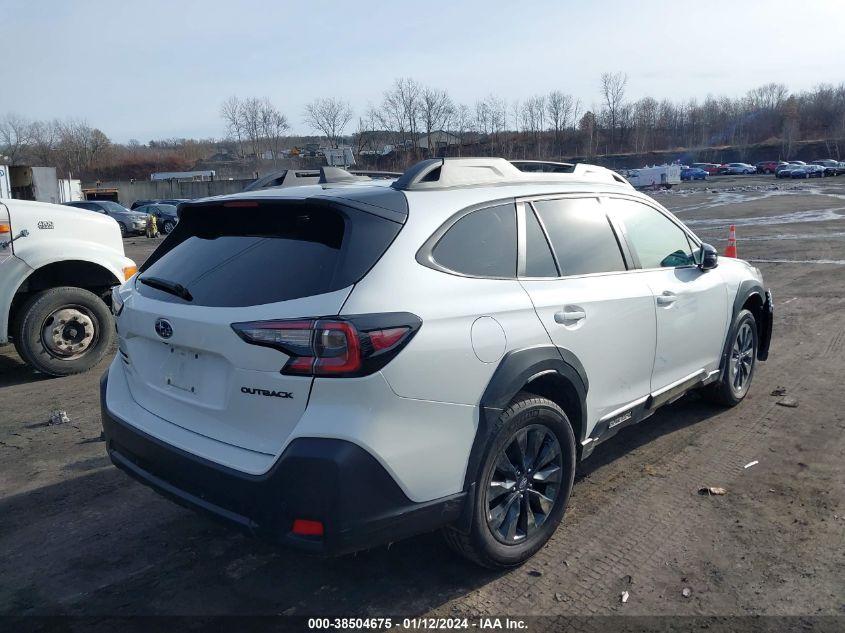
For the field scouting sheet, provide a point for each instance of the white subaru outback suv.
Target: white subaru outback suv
(341, 365)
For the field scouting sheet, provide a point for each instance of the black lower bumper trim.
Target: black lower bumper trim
(328, 480)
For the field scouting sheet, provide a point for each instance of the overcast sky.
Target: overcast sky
(156, 69)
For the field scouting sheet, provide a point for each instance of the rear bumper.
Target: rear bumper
(319, 479)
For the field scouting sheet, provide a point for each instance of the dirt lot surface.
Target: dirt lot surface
(79, 537)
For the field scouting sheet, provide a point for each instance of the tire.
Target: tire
(82, 342)
(724, 391)
(531, 417)
(123, 230)
(168, 226)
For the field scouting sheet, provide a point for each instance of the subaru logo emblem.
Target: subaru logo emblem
(163, 328)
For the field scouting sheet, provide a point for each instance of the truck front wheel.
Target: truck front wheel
(64, 331)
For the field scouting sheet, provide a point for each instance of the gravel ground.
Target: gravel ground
(80, 538)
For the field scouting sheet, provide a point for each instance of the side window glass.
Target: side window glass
(538, 255)
(581, 235)
(481, 244)
(658, 242)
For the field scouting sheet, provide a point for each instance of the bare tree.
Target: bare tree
(251, 110)
(645, 121)
(587, 126)
(436, 108)
(15, 136)
(559, 108)
(790, 128)
(367, 133)
(400, 112)
(80, 146)
(274, 124)
(613, 92)
(44, 139)
(534, 121)
(462, 124)
(231, 113)
(330, 116)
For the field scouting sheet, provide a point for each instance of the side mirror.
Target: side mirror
(708, 257)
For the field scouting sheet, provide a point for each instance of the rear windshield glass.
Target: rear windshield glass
(231, 257)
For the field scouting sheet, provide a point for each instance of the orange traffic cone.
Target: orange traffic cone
(730, 251)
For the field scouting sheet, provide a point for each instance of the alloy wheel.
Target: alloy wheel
(524, 484)
(742, 359)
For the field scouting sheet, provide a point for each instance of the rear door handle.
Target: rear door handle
(567, 316)
(667, 298)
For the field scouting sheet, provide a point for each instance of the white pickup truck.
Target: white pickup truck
(57, 267)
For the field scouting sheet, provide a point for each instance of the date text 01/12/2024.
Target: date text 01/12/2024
(411, 624)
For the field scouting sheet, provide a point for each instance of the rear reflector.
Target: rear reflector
(304, 527)
(335, 346)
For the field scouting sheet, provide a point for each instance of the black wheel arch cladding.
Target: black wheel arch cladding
(516, 369)
(747, 289)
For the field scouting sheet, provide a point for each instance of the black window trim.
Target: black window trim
(621, 243)
(425, 254)
(692, 238)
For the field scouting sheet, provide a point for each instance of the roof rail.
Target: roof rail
(445, 173)
(543, 166)
(332, 175)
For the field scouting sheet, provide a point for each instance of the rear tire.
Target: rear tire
(168, 227)
(735, 382)
(529, 494)
(79, 328)
(123, 229)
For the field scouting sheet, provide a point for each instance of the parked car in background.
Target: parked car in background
(733, 169)
(693, 173)
(165, 215)
(130, 222)
(807, 171)
(174, 201)
(711, 168)
(768, 166)
(831, 167)
(785, 170)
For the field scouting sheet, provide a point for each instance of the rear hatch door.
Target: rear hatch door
(229, 264)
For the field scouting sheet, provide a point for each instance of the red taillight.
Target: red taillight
(304, 527)
(338, 348)
(350, 346)
(385, 339)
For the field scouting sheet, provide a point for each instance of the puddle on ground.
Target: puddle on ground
(788, 236)
(725, 198)
(742, 195)
(796, 217)
(840, 262)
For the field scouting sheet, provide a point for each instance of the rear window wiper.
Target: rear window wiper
(167, 286)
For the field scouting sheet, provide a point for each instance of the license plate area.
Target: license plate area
(183, 369)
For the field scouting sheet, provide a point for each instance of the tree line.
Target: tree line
(552, 125)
